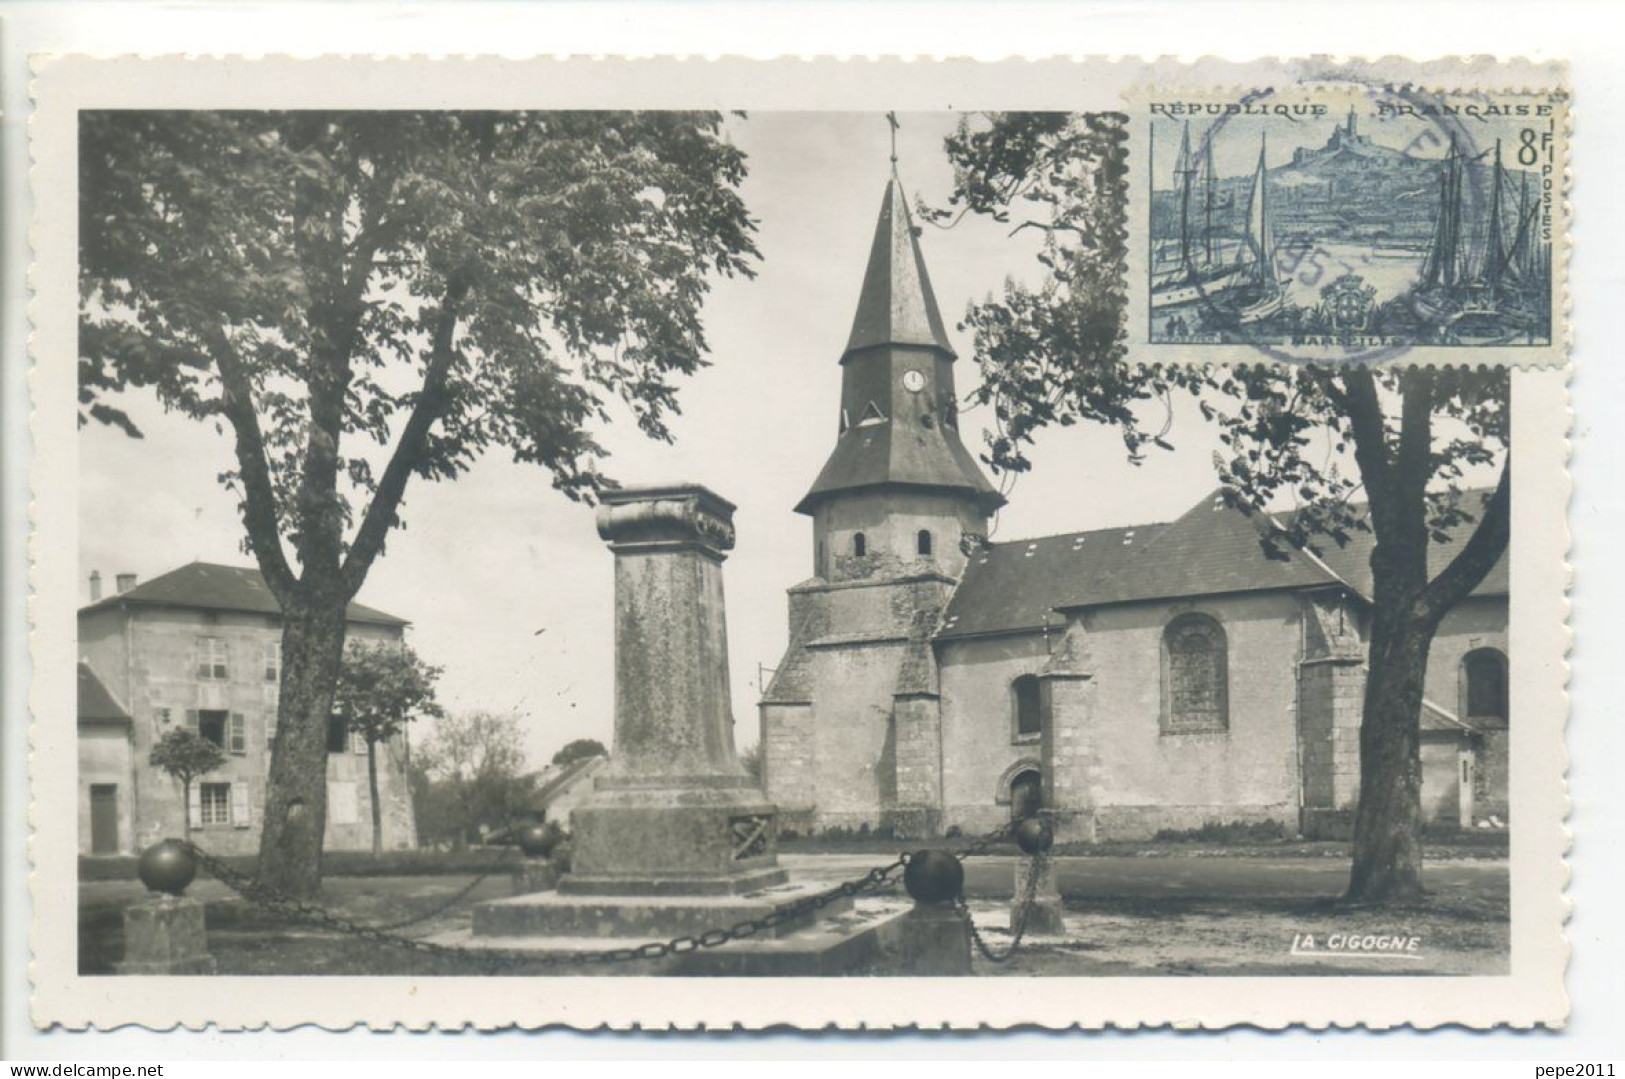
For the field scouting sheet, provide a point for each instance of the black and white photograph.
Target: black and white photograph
(727, 565)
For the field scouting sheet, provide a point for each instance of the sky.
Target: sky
(506, 582)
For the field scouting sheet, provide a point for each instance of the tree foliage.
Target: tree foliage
(364, 297)
(382, 687)
(184, 755)
(472, 772)
(1349, 448)
(579, 750)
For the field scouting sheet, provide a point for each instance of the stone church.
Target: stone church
(1131, 681)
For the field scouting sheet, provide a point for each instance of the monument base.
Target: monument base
(643, 916)
(165, 935)
(861, 940)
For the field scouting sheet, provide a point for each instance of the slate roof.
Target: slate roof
(96, 701)
(878, 454)
(1212, 549)
(896, 305)
(1353, 562)
(211, 587)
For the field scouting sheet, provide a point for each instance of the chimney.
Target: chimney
(95, 585)
(126, 581)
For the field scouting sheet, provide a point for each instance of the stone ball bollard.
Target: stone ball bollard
(1035, 836)
(167, 867)
(537, 840)
(932, 938)
(934, 876)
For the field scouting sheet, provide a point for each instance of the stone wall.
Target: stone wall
(1478, 622)
(160, 686)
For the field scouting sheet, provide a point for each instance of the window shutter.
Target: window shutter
(194, 806)
(191, 720)
(239, 805)
(237, 738)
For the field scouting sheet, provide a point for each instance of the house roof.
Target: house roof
(1212, 549)
(211, 587)
(1441, 720)
(565, 778)
(96, 701)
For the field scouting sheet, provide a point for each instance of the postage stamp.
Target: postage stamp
(1342, 220)
(1114, 471)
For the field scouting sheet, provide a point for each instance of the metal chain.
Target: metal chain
(311, 914)
(299, 910)
(503, 862)
(1026, 910)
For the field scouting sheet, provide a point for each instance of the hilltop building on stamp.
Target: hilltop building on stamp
(1131, 680)
(200, 648)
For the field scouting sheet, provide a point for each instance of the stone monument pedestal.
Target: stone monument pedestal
(535, 875)
(675, 839)
(1044, 918)
(165, 934)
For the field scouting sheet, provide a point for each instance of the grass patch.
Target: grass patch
(349, 863)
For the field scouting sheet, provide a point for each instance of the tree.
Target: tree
(383, 687)
(365, 297)
(1406, 437)
(185, 755)
(579, 750)
(752, 760)
(474, 768)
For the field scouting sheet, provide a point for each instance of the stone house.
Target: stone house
(1130, 680)
(200, 647)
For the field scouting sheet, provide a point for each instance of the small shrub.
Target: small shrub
(1224, 832)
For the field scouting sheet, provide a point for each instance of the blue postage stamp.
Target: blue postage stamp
(1351, 223)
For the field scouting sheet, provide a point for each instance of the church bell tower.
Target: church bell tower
(851, 724)
(899, 490)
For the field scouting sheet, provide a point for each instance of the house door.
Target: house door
(104, 818)
(1026, 795)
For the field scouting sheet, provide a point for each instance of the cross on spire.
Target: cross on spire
(891, 118)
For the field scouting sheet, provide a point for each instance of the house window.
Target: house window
(860, 545)
(922, 542)
(273, 661)
(338, 734)
(1195, 676)
(211, 726)
(1484, 678)
(211, 659)
(214, 803)
(1029, 722)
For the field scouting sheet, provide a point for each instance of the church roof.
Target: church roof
(896, 305)
(211, 587)
(873, 455)
(96, 701)
(1212, 549)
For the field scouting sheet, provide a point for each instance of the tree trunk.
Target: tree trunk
(296, 798)
(186, 810)
(372, 790)
(1388, 824)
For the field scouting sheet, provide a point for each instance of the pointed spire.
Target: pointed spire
(897, 306)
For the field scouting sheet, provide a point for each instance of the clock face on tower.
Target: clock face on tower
(913, 381)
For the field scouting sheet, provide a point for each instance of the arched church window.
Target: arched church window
(922, 541)
(1484, 685)
(860, 545)
(1029, 722)
(1195, 676)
